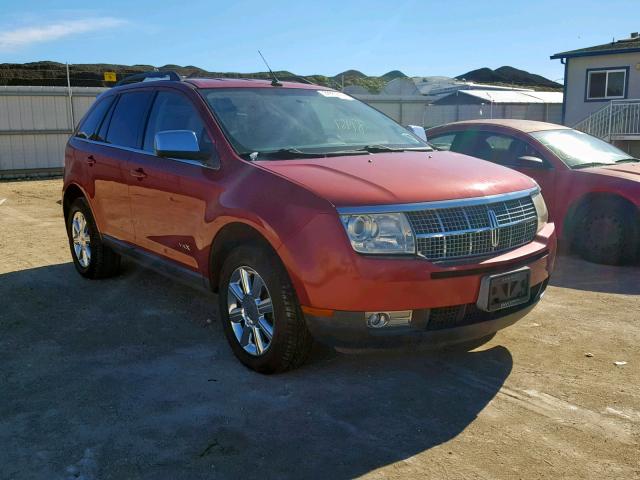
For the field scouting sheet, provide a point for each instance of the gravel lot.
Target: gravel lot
(132, 378)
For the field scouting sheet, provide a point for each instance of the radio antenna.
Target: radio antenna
(274, 79)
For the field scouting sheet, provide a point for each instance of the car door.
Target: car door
(110, 151)
(105, 183)
(169, 197)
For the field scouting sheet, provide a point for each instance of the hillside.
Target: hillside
(509, 76)
(91, 75)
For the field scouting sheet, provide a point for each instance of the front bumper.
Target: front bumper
(432, 327)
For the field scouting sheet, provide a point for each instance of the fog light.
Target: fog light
(388, 319)
(377, 320)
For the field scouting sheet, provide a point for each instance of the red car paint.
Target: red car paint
(176, 211)
(563, 188)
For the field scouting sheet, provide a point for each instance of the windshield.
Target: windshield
(578, 149)
(264, 120)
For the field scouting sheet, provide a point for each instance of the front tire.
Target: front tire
(91, 257)
(259, 311)
(608, 233)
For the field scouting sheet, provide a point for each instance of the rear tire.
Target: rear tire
(268, 333)
(92, 258)
(608, 233)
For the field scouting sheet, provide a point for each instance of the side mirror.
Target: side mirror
(530, 162)
(182, 144)
(418, 131)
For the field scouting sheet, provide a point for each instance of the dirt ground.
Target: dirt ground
(131, 377)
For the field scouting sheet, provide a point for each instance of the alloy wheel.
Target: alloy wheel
(250, 311)
(81, 239)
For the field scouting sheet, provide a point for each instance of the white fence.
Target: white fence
(416, 110)
(35, 123)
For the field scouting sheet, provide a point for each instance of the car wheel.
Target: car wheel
(91, 257)
(259, 312)
(608, 233)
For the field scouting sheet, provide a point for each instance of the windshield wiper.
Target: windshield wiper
(291, 153)
(627, 160)
(590, 164)
(385, 148)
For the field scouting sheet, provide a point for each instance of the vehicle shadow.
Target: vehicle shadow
(573, 272)
(132, 378)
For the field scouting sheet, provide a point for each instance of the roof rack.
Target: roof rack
(149, 77)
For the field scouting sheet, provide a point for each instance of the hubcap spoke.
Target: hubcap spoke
(265, 306)
(235, 315)
(256, 288)
(257, 340)
(236, 291)
(244, 281)
(246, 333)
(266, 328)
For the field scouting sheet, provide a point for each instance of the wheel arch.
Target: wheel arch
(232, 235)
(71, 193)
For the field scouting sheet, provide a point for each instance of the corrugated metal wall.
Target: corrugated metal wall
(416, 110)
(35, 123)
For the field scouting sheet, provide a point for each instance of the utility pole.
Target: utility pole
(71, 116)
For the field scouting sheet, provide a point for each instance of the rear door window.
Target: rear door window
(94, 118)
(127, 121)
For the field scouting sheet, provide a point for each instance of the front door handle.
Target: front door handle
(91, 161)
(138, 173)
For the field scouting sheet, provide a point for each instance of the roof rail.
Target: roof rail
(149, 76)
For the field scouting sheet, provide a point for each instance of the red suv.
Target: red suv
(312, 215)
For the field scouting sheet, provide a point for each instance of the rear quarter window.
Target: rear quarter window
(125, 127)
(93, 120)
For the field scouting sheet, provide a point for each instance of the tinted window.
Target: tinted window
(174, 111)
(93, 120)
(442, 142)
(494, 147)
(125, 128)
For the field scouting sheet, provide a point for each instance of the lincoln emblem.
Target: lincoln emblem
(495, 228)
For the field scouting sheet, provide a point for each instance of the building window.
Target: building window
(606, 84)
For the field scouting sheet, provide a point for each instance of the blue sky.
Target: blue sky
(418, 37)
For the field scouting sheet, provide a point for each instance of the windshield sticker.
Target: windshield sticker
(350, 124)
(331, 93)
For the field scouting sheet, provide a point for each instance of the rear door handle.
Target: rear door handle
(91, 161)
(138, 173)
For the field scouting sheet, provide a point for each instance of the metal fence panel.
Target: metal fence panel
(35, 123)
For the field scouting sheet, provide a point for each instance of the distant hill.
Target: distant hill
(509, 76)
(91, 75)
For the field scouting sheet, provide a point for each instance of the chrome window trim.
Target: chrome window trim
(195, 163)
(462, 202)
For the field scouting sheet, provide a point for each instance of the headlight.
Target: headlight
(383, 233)
(541, 209)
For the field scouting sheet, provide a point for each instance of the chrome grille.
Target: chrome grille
(466, 231)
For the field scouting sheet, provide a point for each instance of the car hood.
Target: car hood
(400, 177)
(630, 171)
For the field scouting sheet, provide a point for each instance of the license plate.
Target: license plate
(504, 290)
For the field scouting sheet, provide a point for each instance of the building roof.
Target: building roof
(626, 45)
(512, 96)
(526, 126)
